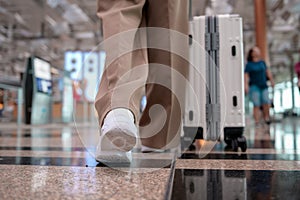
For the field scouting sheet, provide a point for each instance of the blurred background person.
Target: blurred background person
(256, 76)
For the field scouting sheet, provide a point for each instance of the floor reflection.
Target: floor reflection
(279, 136)
(192, 184)
(199, 173)
(209, 184)
(263, 138)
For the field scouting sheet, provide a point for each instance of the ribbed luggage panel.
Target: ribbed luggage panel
(216, 77)
(231, 71)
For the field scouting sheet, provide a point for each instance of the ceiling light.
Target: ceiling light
(84, 35)
(74, 14)
(52, 3)
(50, 20)
(19, 18)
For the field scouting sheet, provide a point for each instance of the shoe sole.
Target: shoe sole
(114, 157)
(116, 148)
(121, 141)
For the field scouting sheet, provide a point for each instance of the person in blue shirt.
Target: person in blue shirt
(256, 76)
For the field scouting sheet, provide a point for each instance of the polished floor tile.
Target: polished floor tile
(206, 184)
(238, 164)
(57, 162)
(48, 182)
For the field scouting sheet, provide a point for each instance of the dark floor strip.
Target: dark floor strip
(43, 161)
(138, 164)
(81, 162)
(30, 135)
(34, 128)
(257, 143)
(65, 149)
(192, 184)
(236, 156)
(217, 156)
(265, 144)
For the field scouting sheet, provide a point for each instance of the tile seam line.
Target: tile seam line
(169, 189)
(241, 169)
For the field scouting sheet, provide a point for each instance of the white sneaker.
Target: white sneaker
(118, 137)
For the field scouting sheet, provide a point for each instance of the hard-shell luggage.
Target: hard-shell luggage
(215, 93)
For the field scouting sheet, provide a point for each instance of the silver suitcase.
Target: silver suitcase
(215, 93)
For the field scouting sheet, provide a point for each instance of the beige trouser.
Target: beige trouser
(126, 78)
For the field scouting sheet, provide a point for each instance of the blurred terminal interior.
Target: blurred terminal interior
(67, 34)
(60, 39)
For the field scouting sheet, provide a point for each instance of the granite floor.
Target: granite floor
(57, 162)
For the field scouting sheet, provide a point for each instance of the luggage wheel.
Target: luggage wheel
(235, 143)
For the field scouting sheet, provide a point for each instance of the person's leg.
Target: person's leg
(120, 18)
(256, 114)
(298, 83)
(266, 112)
(118, 98)
(161, 124)
(255, 97)
(266, 105)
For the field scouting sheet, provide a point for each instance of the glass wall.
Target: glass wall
(283, 98)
